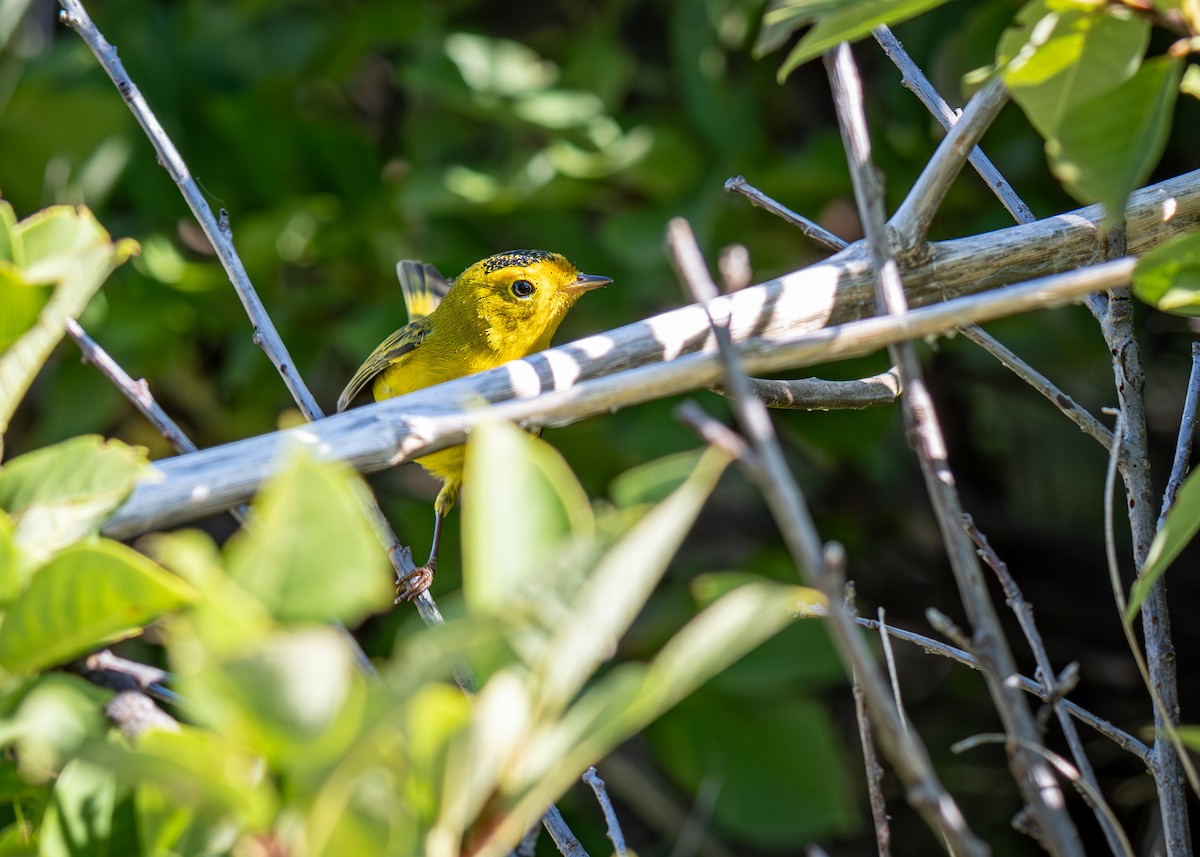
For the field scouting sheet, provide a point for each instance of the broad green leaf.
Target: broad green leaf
(620, 584)
(1168, 277)
(525, 505)
(310, 553)
(68, 248)
(20, 303)
(11, 579)
(87, 595)
(61, 493)
(1108, 145)
(798, 792)
(847, 21)
(1180, 526)
(1190, 84)
(79, 820)
(55, 718)
(10, 245)
(1061, 54)
(653, 481)
(17, 840)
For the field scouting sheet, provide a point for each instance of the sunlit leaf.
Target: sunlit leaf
(55, 718)
(61, 493)
(525, 504)
(1168, 277)
(87, 595)
(79, 820)
(1180, 526)
(1060, 54)
(1108, 145)
(847, 21)
(620, 584)
(311, 553)
(68, 248)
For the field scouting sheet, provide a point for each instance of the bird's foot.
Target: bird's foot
(415, 583)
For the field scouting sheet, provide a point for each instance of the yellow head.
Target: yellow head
(514, 301)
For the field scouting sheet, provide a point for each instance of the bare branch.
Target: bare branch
(902, 746)
(1183, 444)
(912, 219)
(914, 80)
(817, 233)
(1034, 779)
(611, 822)
(816, 394)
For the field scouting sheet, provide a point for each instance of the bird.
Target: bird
(501, 308)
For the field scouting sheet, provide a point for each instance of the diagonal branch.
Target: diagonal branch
(1034, 778)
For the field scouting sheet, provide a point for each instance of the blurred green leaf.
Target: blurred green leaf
(1180, 526)
(61, 493)
(1190, 84)
(620, 584)
(1108, 145)
(79, 820)
(11, 249)
(1060, 54)
(1168, 277)
(288, 558)
(55, 718)
(836, 22)
(525, 506)
(11, 579)
(797, 791)
(70, 249)
(88, 595)
(20, 303)
(653, 481)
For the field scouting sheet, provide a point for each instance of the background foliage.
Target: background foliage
(344, 136)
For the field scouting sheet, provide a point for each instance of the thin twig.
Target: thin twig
(1034, 779)
(904, 748)
(889, 661)
(914, 80)
(1071, 409)
(818, 233)
(872, 769)
(816, 394)
(1023, 610)
(1183, 444)
(1090, 793)
(912, 218)
(611, 821)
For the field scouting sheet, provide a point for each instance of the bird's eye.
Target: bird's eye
(522, 288)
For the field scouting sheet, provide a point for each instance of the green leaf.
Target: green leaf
(1108, 145)
(1060, 54)
(79, 820)
(11, 249)
(311, 554)
(620, 584)
(20, 303)
(66, 247)
(1190, 84)
(847, 21)
(653, 481)
(54, 720)
(293, 696)
(1168, 277)
(525, 504)
(86, 596)
(61, 493)
(783, 776)
(1180, 526)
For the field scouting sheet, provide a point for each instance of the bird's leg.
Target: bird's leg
(413, 584)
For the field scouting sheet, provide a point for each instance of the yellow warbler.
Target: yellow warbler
(502, 308)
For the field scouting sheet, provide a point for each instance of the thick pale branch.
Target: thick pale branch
(662, 356)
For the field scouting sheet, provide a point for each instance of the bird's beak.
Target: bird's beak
(587, 282)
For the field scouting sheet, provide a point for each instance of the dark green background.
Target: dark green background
(344, 136)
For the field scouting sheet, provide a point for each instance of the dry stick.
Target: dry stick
(936, 647)
(1183, 444)
(1034, 778)
(138, 393)
(817, 233)
(914, 80)
(1090, 793)
(265, 334)
(610, 815)
(1024, 612)
(1170, 763)
(817, 394)
(835, 560)
(890, 661)
(903, 748)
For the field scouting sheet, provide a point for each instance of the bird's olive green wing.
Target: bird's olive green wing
(423, 287)
(389, 351)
